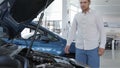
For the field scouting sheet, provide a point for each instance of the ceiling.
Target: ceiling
(110, 9)
(107, 7)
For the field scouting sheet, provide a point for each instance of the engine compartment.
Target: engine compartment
(13, 56)
(44, 60)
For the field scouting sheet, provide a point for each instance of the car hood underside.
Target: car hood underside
(14, 14)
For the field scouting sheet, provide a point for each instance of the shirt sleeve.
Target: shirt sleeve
(72, 32)
(101, 31)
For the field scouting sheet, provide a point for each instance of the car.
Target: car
(15, 16)
(109, 43)
(45, 41)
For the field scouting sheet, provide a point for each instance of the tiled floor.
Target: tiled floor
(110, 59)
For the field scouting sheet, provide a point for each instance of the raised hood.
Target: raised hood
(24, 10)
(15, 13)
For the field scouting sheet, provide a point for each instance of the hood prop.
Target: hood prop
(34, 36)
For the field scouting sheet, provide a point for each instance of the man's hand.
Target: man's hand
(101, 51)
(67, 49)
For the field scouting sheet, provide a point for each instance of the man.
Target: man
(91, 38)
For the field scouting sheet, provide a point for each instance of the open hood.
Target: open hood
(23, 10)
(15, 13)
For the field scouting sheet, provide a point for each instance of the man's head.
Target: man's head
(84, 4)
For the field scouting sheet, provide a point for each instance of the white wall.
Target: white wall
(54, 11)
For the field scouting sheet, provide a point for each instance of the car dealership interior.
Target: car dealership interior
(35, 32)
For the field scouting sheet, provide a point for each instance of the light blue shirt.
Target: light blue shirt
(90, 31)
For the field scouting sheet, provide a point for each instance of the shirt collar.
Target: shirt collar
(89, 11)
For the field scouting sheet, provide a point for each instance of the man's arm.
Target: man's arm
(71, 35)
(102, 35)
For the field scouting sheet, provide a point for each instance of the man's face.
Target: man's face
(84, 4)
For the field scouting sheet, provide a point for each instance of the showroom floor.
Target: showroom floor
(111, 59)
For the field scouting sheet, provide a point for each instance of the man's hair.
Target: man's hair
(89, 0)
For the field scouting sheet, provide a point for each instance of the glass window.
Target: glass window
(28, 33)
(51, 37)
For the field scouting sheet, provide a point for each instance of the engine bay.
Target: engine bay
(45, 60)
(15, 57)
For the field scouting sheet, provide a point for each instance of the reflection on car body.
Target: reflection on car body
(46, 41)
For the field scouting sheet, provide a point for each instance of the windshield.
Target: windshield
(28, 33)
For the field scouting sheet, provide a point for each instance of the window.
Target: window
(28, 33)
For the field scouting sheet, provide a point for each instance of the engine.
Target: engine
(45, 60)
(14, 57)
